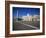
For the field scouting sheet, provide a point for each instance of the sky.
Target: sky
(24, 11)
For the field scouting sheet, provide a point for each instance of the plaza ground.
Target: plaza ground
(26, 25)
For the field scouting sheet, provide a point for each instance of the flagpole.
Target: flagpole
(17, 15)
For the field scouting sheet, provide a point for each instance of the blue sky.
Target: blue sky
(24, 11)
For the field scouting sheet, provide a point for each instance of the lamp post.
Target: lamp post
(32, 20)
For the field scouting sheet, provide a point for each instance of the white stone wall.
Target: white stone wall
(36, 17)
(29, 18)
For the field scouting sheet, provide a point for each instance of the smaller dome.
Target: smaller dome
(28, 14)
